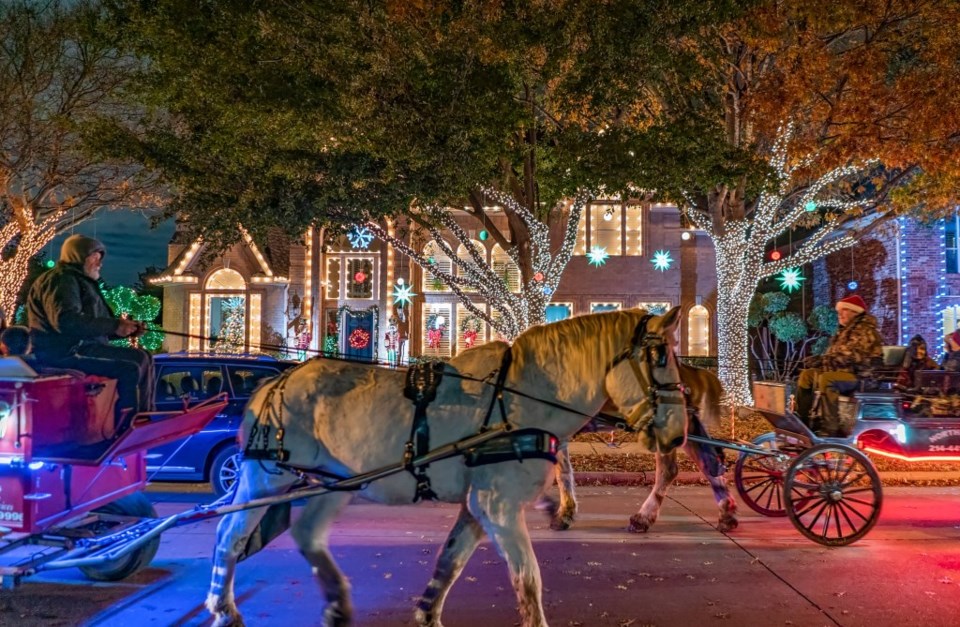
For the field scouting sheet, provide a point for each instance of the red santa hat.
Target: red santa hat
(853, 303)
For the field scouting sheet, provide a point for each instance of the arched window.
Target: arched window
(225, 279)
(441, 262)
(698, 331)
(463, 253)
(505, 268)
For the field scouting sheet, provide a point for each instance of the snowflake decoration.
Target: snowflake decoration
(403, 294)
(790, 279)
(360, 237)
(662, 260)
(598, 256)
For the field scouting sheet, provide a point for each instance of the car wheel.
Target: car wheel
(225, 470)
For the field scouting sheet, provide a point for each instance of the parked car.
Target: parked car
(212, 454)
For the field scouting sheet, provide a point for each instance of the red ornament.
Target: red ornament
(538, 276)
(360, 277)
(359, 339)
(434, 337)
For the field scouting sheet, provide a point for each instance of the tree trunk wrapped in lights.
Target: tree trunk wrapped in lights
(741, 249)
(529, 247)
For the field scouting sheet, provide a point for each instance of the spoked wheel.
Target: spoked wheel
(759, 478)
(833, 494)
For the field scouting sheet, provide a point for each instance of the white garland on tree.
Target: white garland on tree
(517, 311)
(29, 235)
(741, 248)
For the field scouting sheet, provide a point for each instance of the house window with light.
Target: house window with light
(614, 227)
(439, 260)
(463, 254)
(698, 331)
(951, 229)
(559, 311)
(437, 325)
(505, 268)
(601, 307)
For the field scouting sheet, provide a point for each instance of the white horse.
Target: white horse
(704, 392)
(346, 419)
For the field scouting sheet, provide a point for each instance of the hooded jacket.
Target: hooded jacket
(65, 308)
(854, 346)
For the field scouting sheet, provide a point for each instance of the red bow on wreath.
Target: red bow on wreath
(469, 338)
(434, 337)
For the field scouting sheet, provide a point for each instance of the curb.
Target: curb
(647, 478)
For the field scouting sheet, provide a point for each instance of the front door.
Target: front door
(358, 334)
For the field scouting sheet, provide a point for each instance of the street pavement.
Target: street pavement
(683, 572)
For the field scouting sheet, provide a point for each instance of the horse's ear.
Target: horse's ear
(670, 320)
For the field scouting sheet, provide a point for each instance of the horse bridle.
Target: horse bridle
(654, 350)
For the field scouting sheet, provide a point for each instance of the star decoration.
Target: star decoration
(790, 279)
(360, 237)
(662, 260)
(598, 256)
(403, 294)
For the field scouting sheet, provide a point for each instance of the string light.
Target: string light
(32, 239)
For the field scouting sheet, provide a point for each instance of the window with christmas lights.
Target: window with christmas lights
(952, 243)
(606, 227)
(559, 311)
(471, 329)
(360, 277)
(505, 268)
(441, 262)
(332, 283)
(436, 330)
(698, 331)
(601, 307)
(657, 308)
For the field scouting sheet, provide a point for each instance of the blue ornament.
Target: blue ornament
(810, 206)
(483, 236)
(547, 290)
(852, 285)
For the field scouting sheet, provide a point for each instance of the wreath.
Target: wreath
(470, 327)
(359, 339)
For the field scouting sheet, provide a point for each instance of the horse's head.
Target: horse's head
(644, 383)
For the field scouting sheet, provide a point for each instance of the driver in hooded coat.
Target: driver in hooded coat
(71, 325)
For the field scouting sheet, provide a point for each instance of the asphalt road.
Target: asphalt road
(684, 572)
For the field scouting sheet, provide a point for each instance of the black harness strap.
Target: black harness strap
(421, 387)
(498, 387)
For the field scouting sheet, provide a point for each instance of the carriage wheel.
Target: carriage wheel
(833, 494)
(136, 505)
(759, 478)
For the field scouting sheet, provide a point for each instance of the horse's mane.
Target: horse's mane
(607, 334)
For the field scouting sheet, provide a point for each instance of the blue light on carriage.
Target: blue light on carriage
(900, 433)
(35, 465)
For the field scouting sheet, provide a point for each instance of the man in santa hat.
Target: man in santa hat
(851, 352)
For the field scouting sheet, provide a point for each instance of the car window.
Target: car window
(245, 379)
(197, 382)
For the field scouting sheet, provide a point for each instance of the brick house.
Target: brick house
(336, 293)
(908, 274)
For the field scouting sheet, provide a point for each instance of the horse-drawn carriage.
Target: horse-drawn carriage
(827, 485)
(69, 474)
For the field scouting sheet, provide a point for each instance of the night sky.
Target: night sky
(131, 244)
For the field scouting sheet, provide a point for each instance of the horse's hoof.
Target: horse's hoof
(427, 619)
(334, 616)
(228, 620)
(561, 523)
(639, 524)
(728, 524)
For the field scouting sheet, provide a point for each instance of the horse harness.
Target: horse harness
(422, 382)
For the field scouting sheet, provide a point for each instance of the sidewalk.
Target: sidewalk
(597, 452)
